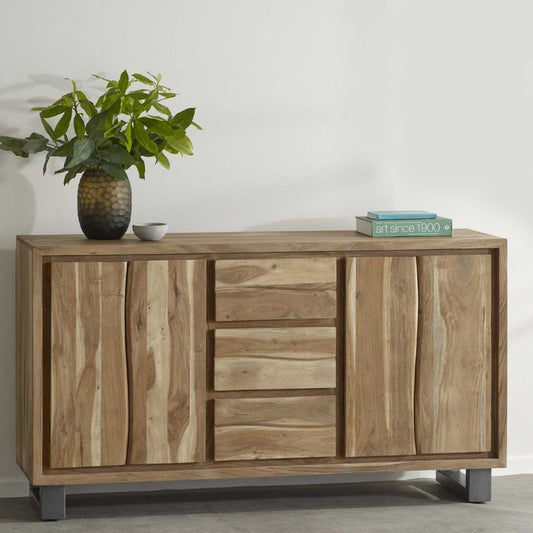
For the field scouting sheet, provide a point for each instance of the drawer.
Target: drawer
(275, 428)
(275, 358)
(273, 289)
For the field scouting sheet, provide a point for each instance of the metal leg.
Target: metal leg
(51, 501)
(475, 487)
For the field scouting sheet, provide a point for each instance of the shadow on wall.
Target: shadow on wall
(17, 201)
(17, 197)
(17, 208)
(7, 362)
(303, 224)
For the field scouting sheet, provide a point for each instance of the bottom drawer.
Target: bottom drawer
(275, 428)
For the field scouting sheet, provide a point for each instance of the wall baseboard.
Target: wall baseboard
(17, 486)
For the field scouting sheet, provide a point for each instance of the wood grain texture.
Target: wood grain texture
(88, 389)
(285, 242)
(499, 328)
(267, 428)
(381, 326)
(297, 245)
(24, 358)
(453, 393)
(275, 358)
(166, 316)
(263, 289)
(265, 468)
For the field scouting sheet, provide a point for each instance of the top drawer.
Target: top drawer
(275, 289)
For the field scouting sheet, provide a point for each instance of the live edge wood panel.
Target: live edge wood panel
(418, 355)
(88, 379)
(166, 317)
(454, 374)
(140, 360)
(381, 318)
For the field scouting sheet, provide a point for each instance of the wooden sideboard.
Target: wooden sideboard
(221, 355)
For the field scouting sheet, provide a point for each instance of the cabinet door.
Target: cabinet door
(418, 355)
(127, 372)
(88, 378)
(453, 393)
(166, 323)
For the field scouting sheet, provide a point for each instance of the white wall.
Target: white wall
(314, 111)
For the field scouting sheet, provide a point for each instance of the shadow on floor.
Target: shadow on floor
(243, 499)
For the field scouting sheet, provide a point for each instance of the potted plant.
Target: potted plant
(101, 140)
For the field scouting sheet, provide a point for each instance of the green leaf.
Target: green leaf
(116, 154)
(53, 111)
(127, 134)
(163, 159)
(114, 170)
(32, 146)
(74, 88)
(96, 124)
(197, 126)
(46, 159)
(124, 81)
(71, 173)
(64, 150)
(159, 126)
(47, 128)
(110, 100)
(143, 79)
(142, 137)
(88, 107)
(63, 124)
(183, 145)
(99, 77)
(162, 109)
(83, 149)
(79, 126)
(12, 144)
(66, 100)
(183, 118)
(141, 168)
(37, 136)
(139, 94)
(113, 130)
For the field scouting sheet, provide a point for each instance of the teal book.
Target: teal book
(400, 215)
(435, 227)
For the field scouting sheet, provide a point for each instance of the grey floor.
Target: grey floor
(418, 505)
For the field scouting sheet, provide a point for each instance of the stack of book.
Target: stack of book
(404, 224)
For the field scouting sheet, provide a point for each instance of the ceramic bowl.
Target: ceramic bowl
(150, 231)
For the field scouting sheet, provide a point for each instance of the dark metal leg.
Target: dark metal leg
(51, 501)
(475, 487)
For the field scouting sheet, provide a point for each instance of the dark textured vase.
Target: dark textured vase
(104, 205)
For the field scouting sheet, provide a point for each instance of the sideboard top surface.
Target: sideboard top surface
(256, 242)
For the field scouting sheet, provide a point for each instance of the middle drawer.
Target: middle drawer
(275, 358)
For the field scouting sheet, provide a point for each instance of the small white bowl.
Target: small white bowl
(150, 231)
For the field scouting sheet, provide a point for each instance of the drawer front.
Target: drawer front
(275, 289)
(275, 358)
(275, 428)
